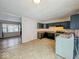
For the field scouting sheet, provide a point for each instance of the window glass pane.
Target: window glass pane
(16, 28)
(4, 28)
(11, 28)
(19, 28)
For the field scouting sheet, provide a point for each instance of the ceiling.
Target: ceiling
(46, 10)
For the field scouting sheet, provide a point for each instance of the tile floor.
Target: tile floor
(36, 49)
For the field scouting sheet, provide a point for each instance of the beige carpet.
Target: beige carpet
(36, 49)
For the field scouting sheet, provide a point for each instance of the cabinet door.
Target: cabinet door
(75, 21)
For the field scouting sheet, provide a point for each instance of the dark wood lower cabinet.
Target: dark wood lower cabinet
(51, 35)
(46, 35)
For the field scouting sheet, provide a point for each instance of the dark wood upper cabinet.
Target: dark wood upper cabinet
(74, 21)
(65, 24)
(40, 25)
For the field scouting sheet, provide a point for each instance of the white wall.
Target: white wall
(29, 29)
(6, 16)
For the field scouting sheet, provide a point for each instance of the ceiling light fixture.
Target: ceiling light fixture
(36, 1)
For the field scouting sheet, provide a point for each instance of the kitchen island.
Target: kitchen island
(65, 45)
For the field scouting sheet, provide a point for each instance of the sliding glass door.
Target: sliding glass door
(7, 28)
